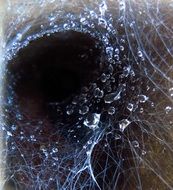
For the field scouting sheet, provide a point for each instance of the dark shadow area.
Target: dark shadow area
(52, 69)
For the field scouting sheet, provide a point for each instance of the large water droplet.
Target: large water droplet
(92, 121)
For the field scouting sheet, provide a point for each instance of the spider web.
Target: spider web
(122, 137)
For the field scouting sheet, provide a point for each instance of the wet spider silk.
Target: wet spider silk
(88, 97)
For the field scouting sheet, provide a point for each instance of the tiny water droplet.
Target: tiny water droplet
(142, 98)
(140, 54)
(141, 110)
(122, 48)
(168, 109)
(98, 93)
(9, 134)
(117, 58)
(66, 26)
(111, 110)
(83, 20)
(109, 98)
(117, 51)
(13, 127)
(117, 137)
(19, 36)
(69, 110)
(130, 106)
(123, 124)
(135, 144)
(126, 70)
(171, 92)
(143, 152)
(103, 78)
(109, 51)
(89, 142)
(84, 110)
(102, 22)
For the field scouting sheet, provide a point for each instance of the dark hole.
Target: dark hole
(53, 69)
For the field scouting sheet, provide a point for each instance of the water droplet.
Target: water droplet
(52, 18)
(117, 137)
(117, 51)
(168, 109)
(93, 15)
(103, 78)
(84, 110)
(135, 144)
(66, 26)
(126, 70)
(92, 121)
(42, 26)
(69, 110)
(19, 36)
(140, 54)
(13, 147)
(98, 93)
(109, 98)
(117, 58)
(9, 134)
(108, 77)
(109, 51)
(141, 110)
(108, 88)
(171, 92)
(123, 124)
(90, 142)
(105, 39)
(102, 22)
(111, 110)
(19, 116)
(13, 127)
(143, 152)
(83, 20)
(32, 137)
(122, 48)
(130, 106)
(132, 24)
(54, 150)
(142, 98)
